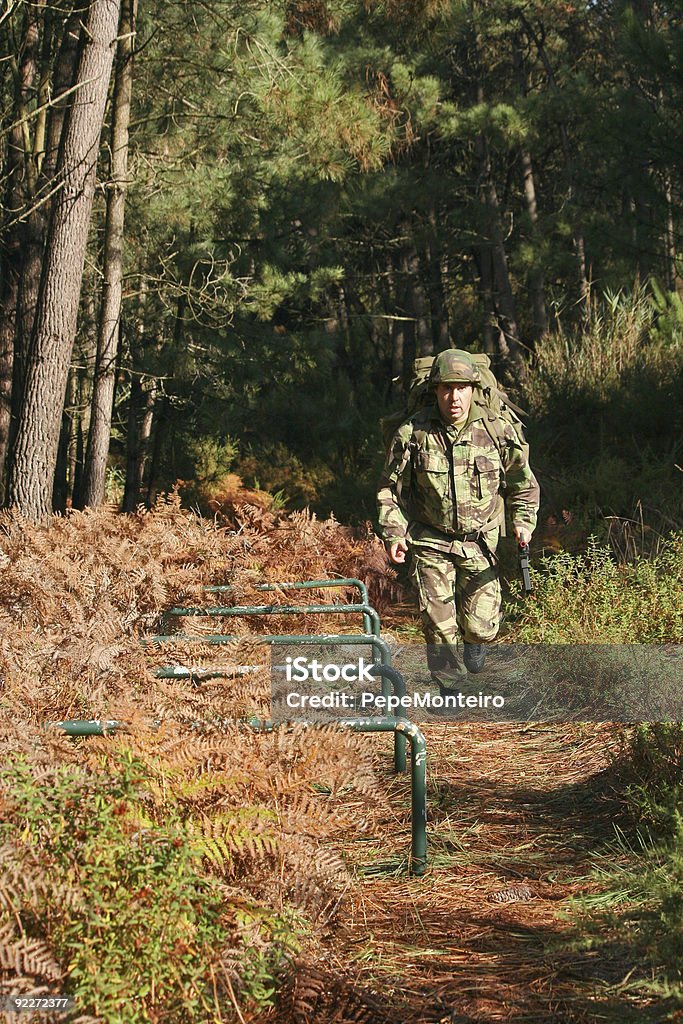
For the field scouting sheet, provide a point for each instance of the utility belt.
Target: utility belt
(477, 536)
(497, 519)
(471, 536)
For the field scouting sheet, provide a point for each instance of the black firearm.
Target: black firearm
(524, 566)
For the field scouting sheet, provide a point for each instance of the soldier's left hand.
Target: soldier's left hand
(523, 534)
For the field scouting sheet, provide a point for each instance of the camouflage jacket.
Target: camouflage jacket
(454, 481)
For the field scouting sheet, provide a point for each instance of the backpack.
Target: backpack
(488, 395)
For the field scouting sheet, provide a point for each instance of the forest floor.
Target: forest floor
(510, 808)
(519, 810)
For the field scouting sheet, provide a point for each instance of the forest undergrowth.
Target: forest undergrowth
(192, 869)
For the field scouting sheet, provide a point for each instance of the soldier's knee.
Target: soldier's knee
(481, 629)
(479, 635)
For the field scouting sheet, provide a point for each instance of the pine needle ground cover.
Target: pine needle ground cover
(199, 871)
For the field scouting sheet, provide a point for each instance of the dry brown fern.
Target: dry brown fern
(267, 809)
(22, 958)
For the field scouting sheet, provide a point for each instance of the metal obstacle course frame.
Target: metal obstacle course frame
(402, 728)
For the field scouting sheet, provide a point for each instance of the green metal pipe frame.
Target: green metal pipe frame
(380, 646)
(346, 581)
(399, 726)
(391, 678)
(214, 672)
(324, 639)
(370, 615)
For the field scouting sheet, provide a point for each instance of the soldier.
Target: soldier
(449, 474)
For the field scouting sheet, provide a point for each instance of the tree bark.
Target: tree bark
(112, 289)
(577, 226)
(131, 490)
(407, 323)
(508, 334)
(87, 351)
(669, 236)
(153, 446)
(148, 406)
(74, 440)
(437, 298)
(536, 275)
(17, 195)
(416, 304)
(34, 230)
(482, 255)
(63, 482)
(395, 325)
(34, 454)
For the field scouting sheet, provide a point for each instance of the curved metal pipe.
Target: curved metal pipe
(399, 726)
(369, 613)
(391, 675)
(346, 581)
(380, 646)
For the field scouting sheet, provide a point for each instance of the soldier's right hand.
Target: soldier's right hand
(397, 551)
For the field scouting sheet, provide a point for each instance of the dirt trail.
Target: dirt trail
(510, 807)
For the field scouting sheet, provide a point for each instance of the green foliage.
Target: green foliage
(274, 468)
(590, 598)
(605, 413)
(144, 933)
(668, 310)
(664, 923)
(212, 458)
(644, 902)
(655, 767)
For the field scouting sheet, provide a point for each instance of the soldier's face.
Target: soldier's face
(454, 401)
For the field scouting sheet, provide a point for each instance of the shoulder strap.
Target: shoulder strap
(493, 425)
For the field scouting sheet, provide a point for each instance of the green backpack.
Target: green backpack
(488, 394)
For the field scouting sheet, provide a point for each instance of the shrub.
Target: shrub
(590, 599)
(140, 931)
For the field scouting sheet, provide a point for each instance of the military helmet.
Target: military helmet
(453, 366)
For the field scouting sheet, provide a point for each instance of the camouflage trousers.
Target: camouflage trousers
(459, 598)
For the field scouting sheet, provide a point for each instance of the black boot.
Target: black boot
(474, 657)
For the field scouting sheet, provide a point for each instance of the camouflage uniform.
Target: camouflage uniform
(444, 490)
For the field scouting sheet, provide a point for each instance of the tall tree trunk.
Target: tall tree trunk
(34, 230)
(153, 447)
(396, 326)
(131, 490)
(149, 404)
(509, 345)
(577, 226)
(73, 442)
(669, 236)
(536, 275)
(63, 482)
(482, 255)
(110, 311)
(87, 353)
(416, 304)
(437, 298)
(17, 195)
(409, 345)
(34, 453)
